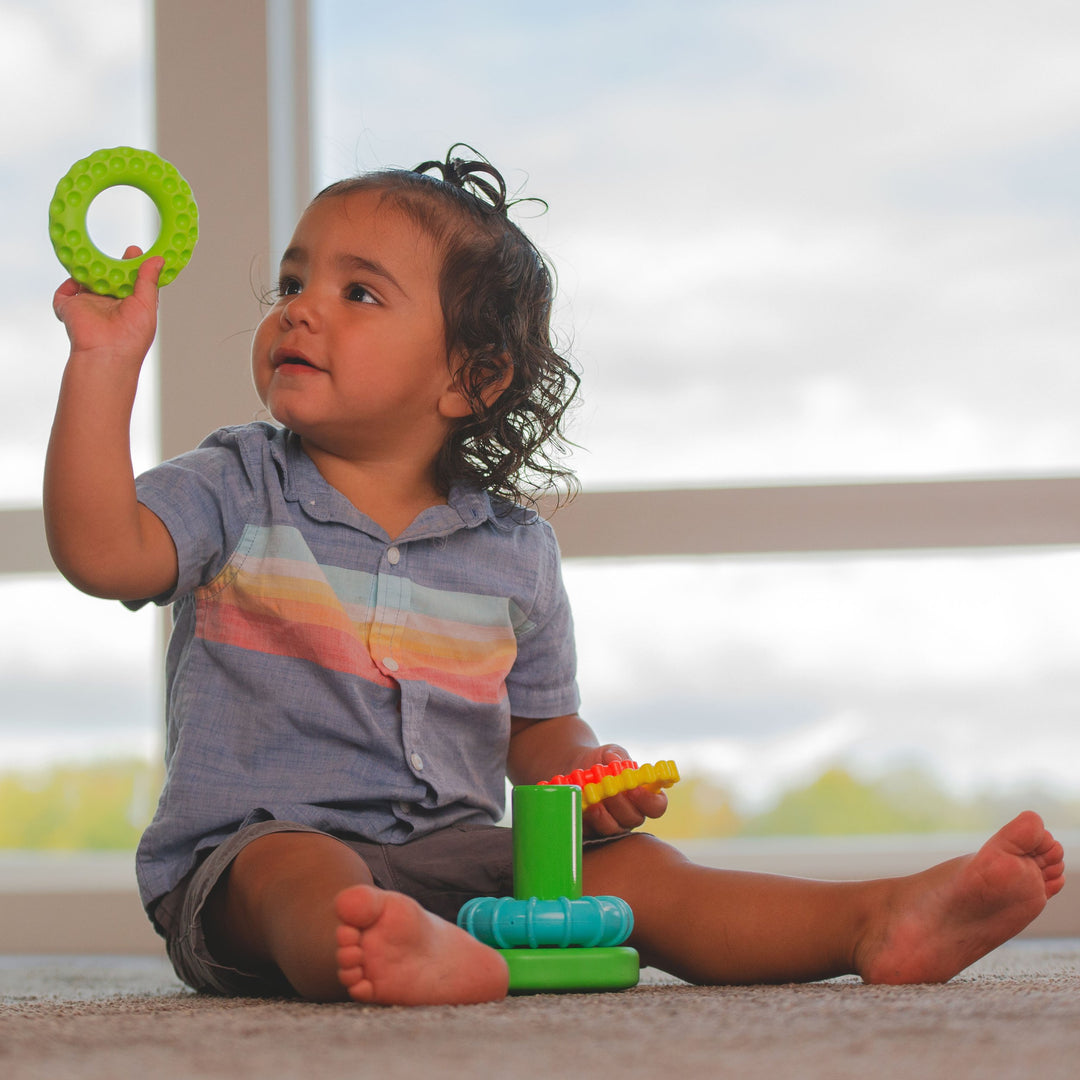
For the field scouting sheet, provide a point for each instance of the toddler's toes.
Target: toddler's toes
(348, 935)
(350, 957)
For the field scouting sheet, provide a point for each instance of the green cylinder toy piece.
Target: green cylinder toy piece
(547, 842)
(88, 178)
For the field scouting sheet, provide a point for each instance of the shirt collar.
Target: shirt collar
(302, 483)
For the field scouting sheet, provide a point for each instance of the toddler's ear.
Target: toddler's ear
(491, 377)
(494, 389)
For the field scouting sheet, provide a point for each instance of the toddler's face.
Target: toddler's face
(352, 355)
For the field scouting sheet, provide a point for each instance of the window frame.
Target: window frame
(218, 97)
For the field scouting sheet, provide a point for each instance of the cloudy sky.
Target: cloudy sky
(826, 240)
(75, 77)
(801, 239)
(812, 241)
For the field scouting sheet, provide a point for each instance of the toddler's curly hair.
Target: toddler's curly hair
(497, 292)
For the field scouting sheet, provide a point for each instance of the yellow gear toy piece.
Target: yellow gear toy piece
(652, 777)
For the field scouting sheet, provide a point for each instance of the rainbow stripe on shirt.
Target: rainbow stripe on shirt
(273, 597)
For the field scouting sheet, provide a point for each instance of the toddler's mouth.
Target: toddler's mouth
(294, 360)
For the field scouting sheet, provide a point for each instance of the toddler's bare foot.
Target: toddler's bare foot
(938, 922)
(393, 952)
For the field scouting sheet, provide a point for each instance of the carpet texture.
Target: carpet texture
(1015, 1014)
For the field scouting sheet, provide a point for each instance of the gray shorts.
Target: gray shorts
(441, 871)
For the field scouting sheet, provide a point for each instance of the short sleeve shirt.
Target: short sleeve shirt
(321, 672)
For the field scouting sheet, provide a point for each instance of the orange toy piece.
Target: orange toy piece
(581, 777)
(602, 781)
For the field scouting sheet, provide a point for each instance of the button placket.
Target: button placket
(414, 698)
(391, 613)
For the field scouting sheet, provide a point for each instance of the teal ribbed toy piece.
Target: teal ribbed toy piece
(122, 166)
(507, 923)
(547, 842)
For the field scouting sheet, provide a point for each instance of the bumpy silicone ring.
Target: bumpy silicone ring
(88, 178)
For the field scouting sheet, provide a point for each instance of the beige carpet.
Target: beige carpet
(1016, 1014)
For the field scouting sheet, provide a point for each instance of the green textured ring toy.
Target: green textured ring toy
(122, 166)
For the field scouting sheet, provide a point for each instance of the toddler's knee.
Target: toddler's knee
(624, 863)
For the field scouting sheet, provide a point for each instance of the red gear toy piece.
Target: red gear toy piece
(602, 781)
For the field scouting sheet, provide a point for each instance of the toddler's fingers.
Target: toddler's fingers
(614, 815)
(651, 803)
(626, 811)
(630, 809)
(599, 822)
(63, 294)
(147, 279)
(133, 251)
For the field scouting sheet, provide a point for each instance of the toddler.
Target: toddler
(371, 633)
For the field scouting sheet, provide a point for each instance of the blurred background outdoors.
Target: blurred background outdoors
(796, 243)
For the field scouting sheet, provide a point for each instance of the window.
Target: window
(950, 673)
(76, 79)
(79, 677)
(796, 243)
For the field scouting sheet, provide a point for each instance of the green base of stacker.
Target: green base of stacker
(535, 971)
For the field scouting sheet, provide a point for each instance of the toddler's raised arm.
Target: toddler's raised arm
(102, 540)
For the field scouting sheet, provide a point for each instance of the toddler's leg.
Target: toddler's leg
(304, 904)
(717, 926)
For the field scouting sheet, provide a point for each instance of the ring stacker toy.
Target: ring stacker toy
(551, 937)
(602, 781)
(121, 166)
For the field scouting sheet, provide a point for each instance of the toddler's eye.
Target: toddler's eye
(358, 294)
(288, 286)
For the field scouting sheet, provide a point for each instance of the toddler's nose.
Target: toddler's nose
(300, 309)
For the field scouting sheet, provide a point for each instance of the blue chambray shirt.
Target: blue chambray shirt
(320, 672)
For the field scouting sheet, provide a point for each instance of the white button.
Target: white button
(390, 664)
(393, 556)
(417, 762)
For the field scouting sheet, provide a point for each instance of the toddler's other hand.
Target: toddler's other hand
(625, 811)
(96, 323)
